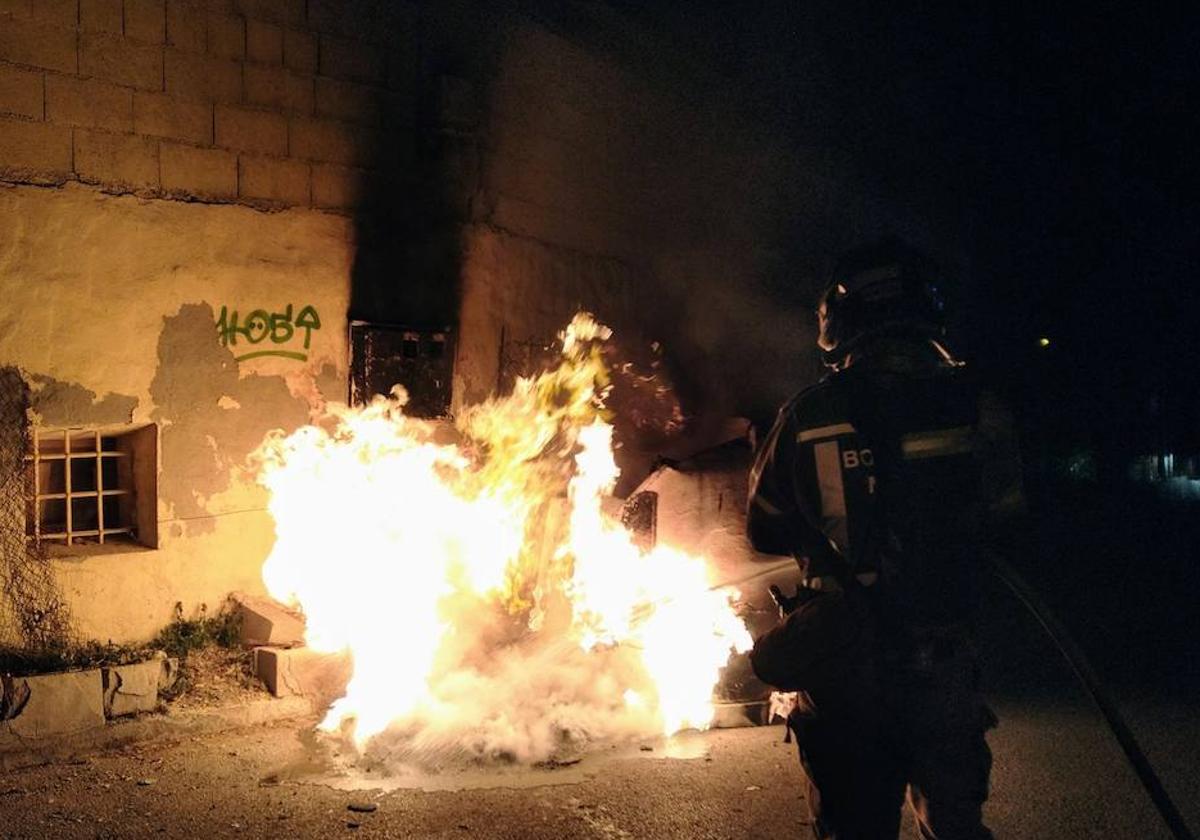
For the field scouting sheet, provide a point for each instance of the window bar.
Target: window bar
(99, 488)
(67, 480)
(37, 488)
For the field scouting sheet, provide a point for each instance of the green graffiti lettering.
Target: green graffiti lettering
(281, 326)
(308, 320)
(260, 324)
(227, 327)
(257, 325)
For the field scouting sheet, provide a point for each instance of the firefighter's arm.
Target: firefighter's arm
(810, 645)
(771, 506)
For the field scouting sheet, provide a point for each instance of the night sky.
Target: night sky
(1056, 148)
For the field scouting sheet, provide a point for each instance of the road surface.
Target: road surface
(1057, 774)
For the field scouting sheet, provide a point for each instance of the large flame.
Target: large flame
(488, 602)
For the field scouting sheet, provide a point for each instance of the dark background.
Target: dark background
(1054, 148)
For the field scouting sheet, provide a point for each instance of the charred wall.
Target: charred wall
(169, 166)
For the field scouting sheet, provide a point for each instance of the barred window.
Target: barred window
(93, 487)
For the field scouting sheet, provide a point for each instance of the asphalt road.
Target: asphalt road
(1057, 774)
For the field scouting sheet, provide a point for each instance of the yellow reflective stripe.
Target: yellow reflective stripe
(767, 506)
(938, 443)
(833, 491)
(825, 432)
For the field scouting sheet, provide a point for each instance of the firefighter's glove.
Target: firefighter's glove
(787, 605)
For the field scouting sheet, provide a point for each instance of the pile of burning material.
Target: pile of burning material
(490, 606)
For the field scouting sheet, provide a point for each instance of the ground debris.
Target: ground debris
(554, 763)
(362, 807)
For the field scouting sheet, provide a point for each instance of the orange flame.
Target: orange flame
(488, 602)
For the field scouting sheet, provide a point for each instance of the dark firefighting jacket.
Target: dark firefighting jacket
(889, 473)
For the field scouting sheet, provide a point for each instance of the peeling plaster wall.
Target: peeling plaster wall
(504, 165)
(111, 307)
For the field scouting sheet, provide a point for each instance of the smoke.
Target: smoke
(528, 702)
(493, 611)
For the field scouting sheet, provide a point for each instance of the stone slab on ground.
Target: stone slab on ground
(149, 728)
(265, 621)
(303, 672)
(51, 705)
(130, 689)
(732, 715)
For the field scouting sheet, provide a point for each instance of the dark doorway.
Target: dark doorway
(419, 358)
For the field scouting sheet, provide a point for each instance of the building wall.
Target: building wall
(166, 161)
(111, 305)
(251, 101)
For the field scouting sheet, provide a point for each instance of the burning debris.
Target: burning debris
(491, 608)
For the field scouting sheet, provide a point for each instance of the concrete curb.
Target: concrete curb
(153, 727)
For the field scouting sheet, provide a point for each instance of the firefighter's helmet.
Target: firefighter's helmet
(884, 286)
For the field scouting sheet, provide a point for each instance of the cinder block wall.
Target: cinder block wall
(491, 165)
(262, 102)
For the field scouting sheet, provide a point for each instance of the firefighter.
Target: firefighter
(873, 479)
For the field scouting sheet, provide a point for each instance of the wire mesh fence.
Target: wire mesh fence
(34, 619)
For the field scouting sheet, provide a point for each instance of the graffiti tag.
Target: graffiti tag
(275, 327)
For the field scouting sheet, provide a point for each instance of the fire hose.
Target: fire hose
(1091, 682)
(1083, 671)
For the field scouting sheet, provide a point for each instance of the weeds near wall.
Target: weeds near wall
(184, 635)
(34, 617)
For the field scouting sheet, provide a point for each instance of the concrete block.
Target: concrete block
(347, 101)
(101, 16)
(300, 51)
(37, 152)
(227, 37)
(325, 140)
(402, 67)
(193, 171)
(264, 42)
(278, 89)
(277, 180)
(22, 92)
(354, 60)
(57, 12)
(130, 689)
(120, 60)
(51, 705)
(371, 21)
(735, 715)
(265, 621)
(39, 45)
(124, 160)
(301, 671)
(282, 12)
(336, 187)
(457, 103)
(251, 131)
(194, 76)
(187, 26)
(168, 676)
(146, 20)
(90, 103)
(164, 116)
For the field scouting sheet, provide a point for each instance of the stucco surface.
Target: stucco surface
(111, 306)
(516, 289)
